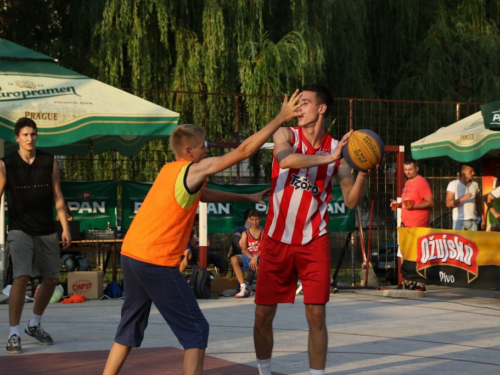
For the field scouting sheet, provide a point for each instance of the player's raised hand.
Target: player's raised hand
(259, 197)
(290, 106)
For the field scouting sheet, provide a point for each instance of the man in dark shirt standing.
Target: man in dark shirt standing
(30, 178)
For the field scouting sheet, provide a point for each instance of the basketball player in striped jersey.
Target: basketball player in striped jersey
(296, 245)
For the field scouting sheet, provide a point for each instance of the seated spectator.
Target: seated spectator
(235, 242)
(236, 247)
(251, 242)
(188, 254)
(186, 259)
(191, 255)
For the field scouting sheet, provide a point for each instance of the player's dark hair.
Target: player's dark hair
(323, 94)
(24, 122)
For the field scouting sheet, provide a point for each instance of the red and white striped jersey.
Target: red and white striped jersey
(254, 244)
(299, 197)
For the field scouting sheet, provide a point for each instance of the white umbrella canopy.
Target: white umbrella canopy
(464, 141)
(73, 111)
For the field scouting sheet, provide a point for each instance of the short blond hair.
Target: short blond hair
(185, 135)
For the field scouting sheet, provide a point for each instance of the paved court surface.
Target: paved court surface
(447, 331)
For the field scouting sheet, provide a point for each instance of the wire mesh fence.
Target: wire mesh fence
(237, 116)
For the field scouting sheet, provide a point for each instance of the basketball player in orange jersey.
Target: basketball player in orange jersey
(305, 160)
(154, 244)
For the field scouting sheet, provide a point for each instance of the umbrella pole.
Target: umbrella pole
(2, 229)
(114, 164)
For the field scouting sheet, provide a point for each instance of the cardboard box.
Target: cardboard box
(220, 284)
(86, 283)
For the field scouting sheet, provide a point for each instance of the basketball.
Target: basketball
(364, 150)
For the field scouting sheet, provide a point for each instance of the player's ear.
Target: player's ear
(322, 109)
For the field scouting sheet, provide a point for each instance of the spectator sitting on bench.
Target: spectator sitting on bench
(251, 242)
(235, 242)
(188, 254)
(236, 247)
(186, 258)
(192, 251)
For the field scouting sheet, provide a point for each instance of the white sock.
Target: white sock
(34, 320)
(14, 330)
(243, 286)
(264, 366)
(316, 372)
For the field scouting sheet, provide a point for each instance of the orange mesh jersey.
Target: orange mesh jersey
(160, 230)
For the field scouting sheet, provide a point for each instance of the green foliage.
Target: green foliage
(457, 59)
(446, 50)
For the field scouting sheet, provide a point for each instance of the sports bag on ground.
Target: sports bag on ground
(200, 283)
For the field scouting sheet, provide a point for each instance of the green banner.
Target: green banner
(133, 194)
(224, 217)
(491, 115)
(92, 203)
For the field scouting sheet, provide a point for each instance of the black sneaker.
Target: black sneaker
(14, 345)
(404, 285)
(38, 333)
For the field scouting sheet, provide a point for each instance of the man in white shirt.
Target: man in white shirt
(464, 196)
(493, 213)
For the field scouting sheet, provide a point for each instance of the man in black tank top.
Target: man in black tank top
(30, 178)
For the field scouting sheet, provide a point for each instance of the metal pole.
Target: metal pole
(202, 233)
(2, 229)
(237, 132)
(114, 164)
(350, 114)
(400, 186)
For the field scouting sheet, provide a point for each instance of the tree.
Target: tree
(443, 50)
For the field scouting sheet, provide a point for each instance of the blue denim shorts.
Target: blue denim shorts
(465, 225)
(146, 283)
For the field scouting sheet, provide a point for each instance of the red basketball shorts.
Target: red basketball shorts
(282, 264)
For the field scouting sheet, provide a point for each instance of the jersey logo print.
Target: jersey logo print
(303, 183)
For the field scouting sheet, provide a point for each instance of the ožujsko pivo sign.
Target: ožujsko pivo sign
(447, 257)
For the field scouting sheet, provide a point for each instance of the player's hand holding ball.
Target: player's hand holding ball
(364, 150)
(337, 154)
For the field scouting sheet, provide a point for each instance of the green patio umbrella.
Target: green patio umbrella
(73, 111)
(464, 141)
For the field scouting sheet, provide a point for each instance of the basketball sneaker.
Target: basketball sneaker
(244, 293)
(14, 345)
(38, 333)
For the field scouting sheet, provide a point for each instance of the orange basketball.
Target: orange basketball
(364, 150)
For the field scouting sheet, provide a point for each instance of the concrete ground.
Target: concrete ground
(445, 331)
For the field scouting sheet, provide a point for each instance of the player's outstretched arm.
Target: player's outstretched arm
(199, 171)
(218, 196)
(287, 158)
